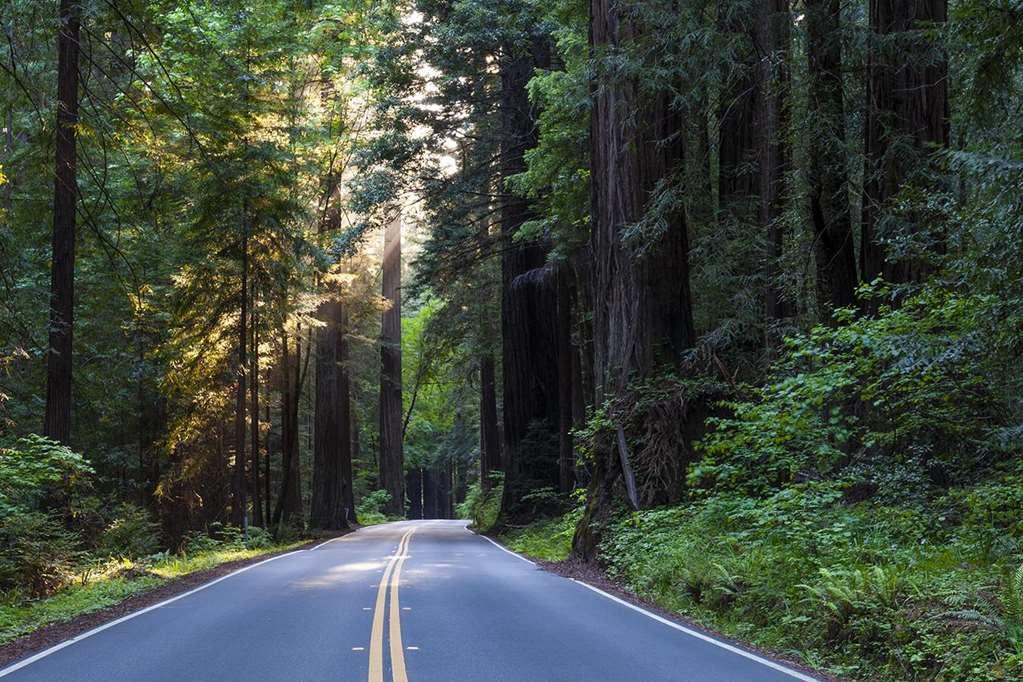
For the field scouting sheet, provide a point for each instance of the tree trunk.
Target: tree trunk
(528, 306)
(326, 512)
(345, 423)
(829, 178)
(257, 495)
(414, 490)
(772, 41)
(239, 512)
(490, 444)
(57, 419)
(429, 493)
(289, 500)
(736, 140)
(266, 468)
(566, 455)
(907, 118)
(392, 461)
(642, 310)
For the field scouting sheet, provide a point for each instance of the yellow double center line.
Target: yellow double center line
(392, 576)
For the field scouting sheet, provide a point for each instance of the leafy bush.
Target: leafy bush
(865, 590)
(368, 510)
(548, 539)
(132, 535)
(481, 507)
(33, 468)
(258, 538)
(915, 385)
(37, 553)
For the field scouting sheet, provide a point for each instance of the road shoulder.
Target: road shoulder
(55, 633)
(591, 575)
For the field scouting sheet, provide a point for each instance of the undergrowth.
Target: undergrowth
(864, 590)
(101, 586)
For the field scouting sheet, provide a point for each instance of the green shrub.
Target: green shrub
(37, 554)
(548, 539)
(258, 538)
(132, 535)
(34, 468)
(482, 507)
(368, 510)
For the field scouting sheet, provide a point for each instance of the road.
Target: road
(414, 601)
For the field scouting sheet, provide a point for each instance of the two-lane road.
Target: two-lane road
(418, 601)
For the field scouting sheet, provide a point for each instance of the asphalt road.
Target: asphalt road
(413, 601)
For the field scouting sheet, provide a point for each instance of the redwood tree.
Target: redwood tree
(642, 316)
(907, 118)
(391, 458)
(57, 419)
(828, 175)
(529, 300)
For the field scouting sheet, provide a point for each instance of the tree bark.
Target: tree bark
(528, 306)
(490, 444)
(326, 511)
(907, 118)
(289, 500)
(642, 310)
(829, 177)
(566, 454)
(414, 488)
(345, 423)
(57, 418)
(772, 41)
(257, 496)
(239, 511)
(391, 459)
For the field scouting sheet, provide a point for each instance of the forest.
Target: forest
(720, 297)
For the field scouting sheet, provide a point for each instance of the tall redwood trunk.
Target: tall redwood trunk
(566, 378)
(391, 458)
(414, 490)
(57, 419)
(326, 511)
(829, 177)
(642, 310)
(490, 444)
(907, 118)
(257, 496)
(772, 41)
(239, 512)
(289, 499)
(528, 305)
(345, 423)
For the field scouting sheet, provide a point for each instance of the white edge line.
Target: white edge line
(43, 654)
(504, 549)
(328, 542)
(699, 635)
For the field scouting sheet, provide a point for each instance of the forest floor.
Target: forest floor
(32, 625)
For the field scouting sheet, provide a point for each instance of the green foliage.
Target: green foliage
(865, 590)
(114, 582)
(914, 384)
(368, 511)
(33, 467)
(133, 534)
(480, 507)
(548, 539)
(37, 553)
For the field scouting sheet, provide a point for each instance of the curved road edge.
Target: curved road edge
(636, 604)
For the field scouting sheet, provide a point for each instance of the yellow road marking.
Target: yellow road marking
(397, 651)
(376, 642)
